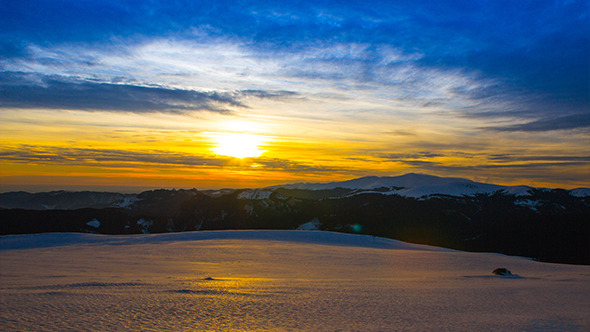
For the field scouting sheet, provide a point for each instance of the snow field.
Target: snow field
(277, 281)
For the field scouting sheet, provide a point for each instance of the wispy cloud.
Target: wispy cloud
(46, 155)
(50, 155)
(274, 95)
(294, 166)
(406, 50)
(518, 158)
(459, 161)
(20, 90)
(402, 156)
(175, 74)
(575, 121)
(406, 84)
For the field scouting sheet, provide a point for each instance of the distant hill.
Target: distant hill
(545, 224)
(415, 185)
(408, 185)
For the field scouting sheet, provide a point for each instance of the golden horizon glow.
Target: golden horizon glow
(52, 149)
(195, 101)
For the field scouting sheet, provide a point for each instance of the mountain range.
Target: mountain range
(421, 185)
(408, 185)
(544, 224)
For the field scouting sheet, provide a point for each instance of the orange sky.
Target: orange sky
(57, 149)
(112, 95)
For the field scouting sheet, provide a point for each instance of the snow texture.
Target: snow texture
(528, 203)
(580, 192)
(278, 281)
(127, 202)
(144, 225)
(255, 194)
(313, 225)
(93, 223)
(415, 185)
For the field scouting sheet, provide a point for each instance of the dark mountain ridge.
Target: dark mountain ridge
(545, 224)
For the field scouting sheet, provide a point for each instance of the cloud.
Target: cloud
(293, 166)
(541, 172)
(400, 133)
(394, 54)
(274, 95)
(45, 155)
(49, 155)
(20, 90)
(171, 74)
(402, 156)
(498, 165)
(575, 121)
(518, 158)
(467, 71)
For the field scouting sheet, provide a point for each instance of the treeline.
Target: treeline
(551, 226)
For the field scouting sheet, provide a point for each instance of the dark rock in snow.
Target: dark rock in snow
(501, 271)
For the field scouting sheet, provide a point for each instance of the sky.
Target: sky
(132, 95)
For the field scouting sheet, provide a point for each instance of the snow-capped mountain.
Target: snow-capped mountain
(580, 192)
(413, 185)
(546, 224)
(254, 194)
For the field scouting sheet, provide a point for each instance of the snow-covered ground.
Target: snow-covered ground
(417, 185)
(277, 280)
(254, 194)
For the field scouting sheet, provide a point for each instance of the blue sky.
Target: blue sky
(470, 71)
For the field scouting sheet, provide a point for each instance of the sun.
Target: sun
(239, 145)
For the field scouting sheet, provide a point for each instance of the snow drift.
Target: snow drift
(278, 281)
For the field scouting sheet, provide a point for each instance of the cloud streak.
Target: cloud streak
(459, 87)
(500, 51)
(575, 121)
(383, 76)
(49, 155)
(20, 90)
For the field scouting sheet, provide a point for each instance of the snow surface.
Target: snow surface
(254, 194)
(277, 280)
(127, 202)
(415, 185)
(518, 190)
(528, 203)
(313, 225)
(144, 225)
(93, 223)
(580, 192)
